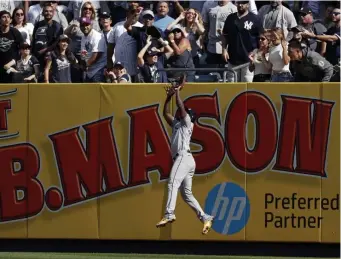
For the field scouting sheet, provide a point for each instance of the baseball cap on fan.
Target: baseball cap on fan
(119, 64)
(305, 10)
(84, 20)
(105, 15)
(152, 52)
(5, 12)
(147, 12)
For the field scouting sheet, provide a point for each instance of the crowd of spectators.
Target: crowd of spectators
(142, 41)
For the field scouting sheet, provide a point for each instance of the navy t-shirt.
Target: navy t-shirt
(333, 48)
(242, 36)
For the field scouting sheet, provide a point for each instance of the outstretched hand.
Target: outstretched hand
(170, 90)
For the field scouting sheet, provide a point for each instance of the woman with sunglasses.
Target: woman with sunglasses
(259, 60)
(279, 58)
(26, 69)
(75, 34)
(192, 22)
(19, 22)
(182, 57)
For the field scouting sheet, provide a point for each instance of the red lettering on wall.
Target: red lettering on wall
(146, 128)
(264, 113)
(309, 136)
(24, 179)
(5, 105)
(208, 137)
(88, 168)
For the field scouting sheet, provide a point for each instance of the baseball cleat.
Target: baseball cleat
(207, 226)
(163, 222)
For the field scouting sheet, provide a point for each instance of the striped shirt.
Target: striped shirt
(125, 47)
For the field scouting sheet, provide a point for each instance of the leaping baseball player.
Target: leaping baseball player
(183, 169)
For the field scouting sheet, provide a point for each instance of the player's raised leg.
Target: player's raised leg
(179, 171)
(187, 195)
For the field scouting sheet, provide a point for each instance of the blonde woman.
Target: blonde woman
(75, 34)
(259, 60)
(192, 23)
(279, 58)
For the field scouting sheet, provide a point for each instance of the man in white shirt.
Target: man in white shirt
(125, 46)
(92, 52)
(183, 168)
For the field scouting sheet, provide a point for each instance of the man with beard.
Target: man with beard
(10, 40)
(45, 35)
(240, 37)
(275, 15)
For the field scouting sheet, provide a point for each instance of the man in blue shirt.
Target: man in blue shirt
(162, 20)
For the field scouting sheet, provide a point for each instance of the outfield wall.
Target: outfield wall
(91, 161)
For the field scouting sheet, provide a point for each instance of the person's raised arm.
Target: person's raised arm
(286, 58)
(180, 103)
(176, 21)
(140, 59)
(166, 109)
(128, 25)
(183, 45)
(201, 28)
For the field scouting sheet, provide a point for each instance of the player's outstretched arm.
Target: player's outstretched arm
(166, 109)
(180, 103)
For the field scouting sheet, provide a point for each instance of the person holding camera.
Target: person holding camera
(182, 57)
(193, 25)
(118, 74)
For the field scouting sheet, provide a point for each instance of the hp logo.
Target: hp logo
(230, 206)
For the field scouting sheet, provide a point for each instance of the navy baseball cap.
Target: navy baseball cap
(119, 64)
(105, 15)
(152, 52)
(305, 11)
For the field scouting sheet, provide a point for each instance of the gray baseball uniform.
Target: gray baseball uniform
(183, 169)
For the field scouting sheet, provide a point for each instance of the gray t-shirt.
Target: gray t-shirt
(280, 17)
(215, 15)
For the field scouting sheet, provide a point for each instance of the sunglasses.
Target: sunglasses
(19, 14)
(177, 31)
(148, 17)
(87, 9)
(262, 38)
(335, 13)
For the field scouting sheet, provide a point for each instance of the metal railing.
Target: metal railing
(211, 71)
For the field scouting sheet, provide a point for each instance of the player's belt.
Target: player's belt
(177, 154)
